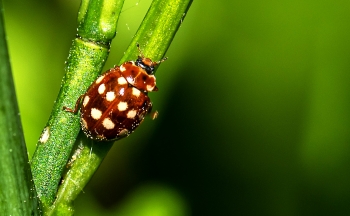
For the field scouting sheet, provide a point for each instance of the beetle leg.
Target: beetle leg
(76, 108)
(152, 114)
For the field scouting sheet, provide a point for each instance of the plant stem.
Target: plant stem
(85, 160)
(17, 191)
(158, 29)
(97, 22)
(154, 35)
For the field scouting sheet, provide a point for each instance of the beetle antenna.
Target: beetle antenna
(138, 47)
(158, 62)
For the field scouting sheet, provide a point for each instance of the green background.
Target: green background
(254, 107)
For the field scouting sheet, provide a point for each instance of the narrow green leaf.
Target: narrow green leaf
(86, 58)
(17, 192)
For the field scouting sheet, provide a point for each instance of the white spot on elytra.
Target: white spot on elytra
(136, 92)
(110, 96)
(45, 135)
(108, 124)
(131, 114)
(101, 88)
(122, 68)
(121, 91)
(123, 132)
(100, 79)
(96, 114)
(83, 122)
(130, 80)
(122, 81)
(122, 106)
(149, 87)
(86, 100)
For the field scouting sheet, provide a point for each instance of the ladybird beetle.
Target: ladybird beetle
(117, 102)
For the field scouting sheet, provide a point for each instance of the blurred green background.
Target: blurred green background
(254, 108)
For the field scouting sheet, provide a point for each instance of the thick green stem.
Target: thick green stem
(154, 35)
(97, 27)
(17, 192)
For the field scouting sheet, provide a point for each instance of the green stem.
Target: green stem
(85, 161)
(97, 23)
(17, 191)
(154, 35)
(158, 29)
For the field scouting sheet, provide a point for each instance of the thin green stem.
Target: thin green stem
(158, 29)
(154, 35)
(17, 191)
(97, 23)
(85, 161)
